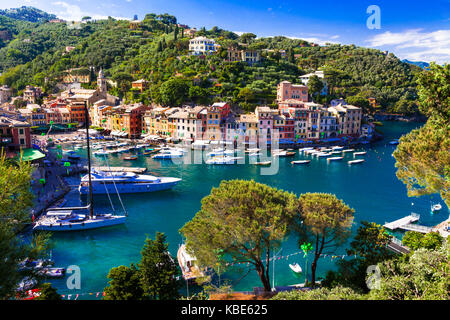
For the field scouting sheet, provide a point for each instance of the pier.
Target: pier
(406, 223)
(122, 169)
(398, 224)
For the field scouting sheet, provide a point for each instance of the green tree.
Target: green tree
(421, 276)
(325, 221)
(415, 240)
(315, 86)
(337, 293)
(15, 204)
(125, 284)
(246, 94)
(158, 270)
(245, 219)
(422, 155)
(368, 247)
(48, 293)
(174, 92)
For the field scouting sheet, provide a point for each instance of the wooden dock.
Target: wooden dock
(122, 169)
(413, 217)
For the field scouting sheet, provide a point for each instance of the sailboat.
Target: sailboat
(68, 218)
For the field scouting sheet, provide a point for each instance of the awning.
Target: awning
(30, 154)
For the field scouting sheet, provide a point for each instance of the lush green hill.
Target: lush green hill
(29, 14)
(158, 51)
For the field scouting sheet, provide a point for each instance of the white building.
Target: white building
(202, 46)
(305, 79)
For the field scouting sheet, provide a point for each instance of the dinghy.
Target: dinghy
(295, 267)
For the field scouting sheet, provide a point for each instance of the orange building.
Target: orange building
(76, 111)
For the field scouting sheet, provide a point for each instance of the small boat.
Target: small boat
(361, 153)
(168, 155)
(26, 284)
(222, 160)
(394, 142)
(436, 207)
(300, 162)
(147, 153)
(254, 154)
(130, 158)
(252, 150)
(322, 154)
(295, 267)
(52, 272)
(284, 154)
(188, 264)
(336, 152)
(335, 158)
(263, 163)
(348, 150)
(355, 161)
(336, 148)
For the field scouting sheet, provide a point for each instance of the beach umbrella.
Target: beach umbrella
(306, 247)
(43, 134)
(51, 122)
(69, 125)
(58, 146)
(42, 181)
(67, 164)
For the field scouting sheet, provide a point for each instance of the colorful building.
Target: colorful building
(14, 134)
(287, 90)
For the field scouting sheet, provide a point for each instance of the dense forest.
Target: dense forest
(158, 52)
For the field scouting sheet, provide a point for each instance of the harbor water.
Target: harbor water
(370, 188)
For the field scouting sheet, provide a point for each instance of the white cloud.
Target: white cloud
(71, 12)
(416, 45)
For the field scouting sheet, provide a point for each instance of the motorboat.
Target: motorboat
(322, 154)
(360, 153)
(348, 150)
(394, 142)
(130, 158)
(252, 150)
(436, 207)
(168, 154)
(220, 153)
(125, 182)
(222, 160)
(188, 264)
(355, 161)
(300, 162)
(336, 148)
(296, 268)
(263, 163)
(335, 158)
(52, 272)
(283, 154)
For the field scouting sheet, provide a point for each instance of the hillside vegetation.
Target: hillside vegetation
(158, 52)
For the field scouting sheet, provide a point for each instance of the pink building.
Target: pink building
(287, 90)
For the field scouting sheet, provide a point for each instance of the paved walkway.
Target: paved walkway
(54, 188)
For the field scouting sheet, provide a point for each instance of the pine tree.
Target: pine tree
(158, 270)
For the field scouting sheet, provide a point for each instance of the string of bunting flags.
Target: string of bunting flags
(332, 257)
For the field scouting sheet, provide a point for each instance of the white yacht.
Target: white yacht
(168, 154)
(222, 160)
(125, 182)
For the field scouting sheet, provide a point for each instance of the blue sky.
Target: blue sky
(414, 30)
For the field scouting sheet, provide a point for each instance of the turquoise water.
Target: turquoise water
(371, 188)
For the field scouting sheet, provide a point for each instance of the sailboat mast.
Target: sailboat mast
(86, 121)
